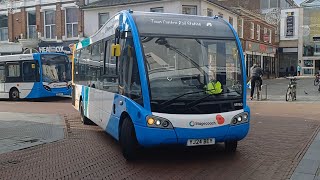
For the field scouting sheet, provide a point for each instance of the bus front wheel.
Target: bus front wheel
(231, 146)
(128, 140)
(14, 94)
(84, 119)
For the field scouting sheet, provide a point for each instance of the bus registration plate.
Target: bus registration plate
(59, 94)
(200, 142)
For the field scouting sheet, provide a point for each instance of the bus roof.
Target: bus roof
(23, 57)
(149, 23)
(167, 24)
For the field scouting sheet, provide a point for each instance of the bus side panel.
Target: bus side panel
(137, 114)
(23, 88)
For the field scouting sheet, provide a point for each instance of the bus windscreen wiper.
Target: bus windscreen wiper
(197, 101)
(170, 101)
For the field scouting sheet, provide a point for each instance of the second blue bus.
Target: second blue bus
(38, 75)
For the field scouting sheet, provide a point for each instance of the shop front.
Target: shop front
(262, 55)
(56, 47)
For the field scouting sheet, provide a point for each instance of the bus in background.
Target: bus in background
(38, 75)
(152, 79)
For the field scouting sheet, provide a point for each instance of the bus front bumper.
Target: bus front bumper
(150, 137)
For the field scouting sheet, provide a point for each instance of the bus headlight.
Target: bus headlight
(47, 88)
(240, 118)
(158, 122)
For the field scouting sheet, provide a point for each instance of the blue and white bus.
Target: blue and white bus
(151, 79)
(38, 75)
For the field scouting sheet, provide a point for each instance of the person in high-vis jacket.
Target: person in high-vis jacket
(214, 87)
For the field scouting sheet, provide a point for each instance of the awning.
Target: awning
(10, 48)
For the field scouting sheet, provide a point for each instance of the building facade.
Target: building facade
(289, 35)
(258, 42)
(39, 25)
(96, 13)
(309, 38)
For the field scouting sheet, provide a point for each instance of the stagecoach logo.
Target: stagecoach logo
(193, 123)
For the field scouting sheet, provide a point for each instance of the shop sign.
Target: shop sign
(290, 24)
(260, 48)
(46, 47)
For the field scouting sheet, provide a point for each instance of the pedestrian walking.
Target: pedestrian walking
(298, 70)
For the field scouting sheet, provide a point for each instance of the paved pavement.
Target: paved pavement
(277, 88)
(309, 166)
(279, 136)
(21, 130)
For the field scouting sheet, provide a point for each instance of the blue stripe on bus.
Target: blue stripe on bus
(140, 59)
(38, 91)
(149, 137)
(244, 75)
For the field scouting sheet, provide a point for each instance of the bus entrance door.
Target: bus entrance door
(2, 78)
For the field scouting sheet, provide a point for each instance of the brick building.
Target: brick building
(96, 12)
(258, 41)
(39, 25)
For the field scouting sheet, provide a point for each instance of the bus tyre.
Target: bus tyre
(128, 140)
(14, 94)
(84, 119)
(231, 146)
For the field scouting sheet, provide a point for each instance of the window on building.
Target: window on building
(209, 12)
(270, 36)
(274, 3)
(157, 9)
(189, 10)
(50, 24)
(258, 32)
(220, 14)
(231, 21)
(3, 28)
(103, 18)
(264, 4)
(265, 31)
(240, 27)
(72, 22)
(32, 32)
(252, 30)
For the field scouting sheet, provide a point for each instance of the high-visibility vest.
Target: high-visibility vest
(214, 87)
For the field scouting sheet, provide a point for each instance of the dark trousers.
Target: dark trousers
(253, 84)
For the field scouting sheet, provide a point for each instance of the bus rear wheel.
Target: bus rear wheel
(84, 119)
(128, 140)
(14, 94)
(231, 146)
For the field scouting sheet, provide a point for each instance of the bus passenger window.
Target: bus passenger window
(2, 73)
(129, 73)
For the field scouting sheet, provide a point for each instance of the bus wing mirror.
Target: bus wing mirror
(115, 50)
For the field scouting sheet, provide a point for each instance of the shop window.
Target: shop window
(72, 22)
(192, 10)
(157, 9)
(252, 30)
(103, 18)
(209, 12)
(32, 32)
(3, 28)
(50, 24)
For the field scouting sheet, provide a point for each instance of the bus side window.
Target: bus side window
(13, 72)
(29, 71)
(130, 84)
(109, 79)
(2, 73)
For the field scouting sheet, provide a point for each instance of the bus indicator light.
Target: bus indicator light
(150, 121)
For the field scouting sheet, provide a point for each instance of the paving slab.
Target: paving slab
(23, 130)
(302, 176)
